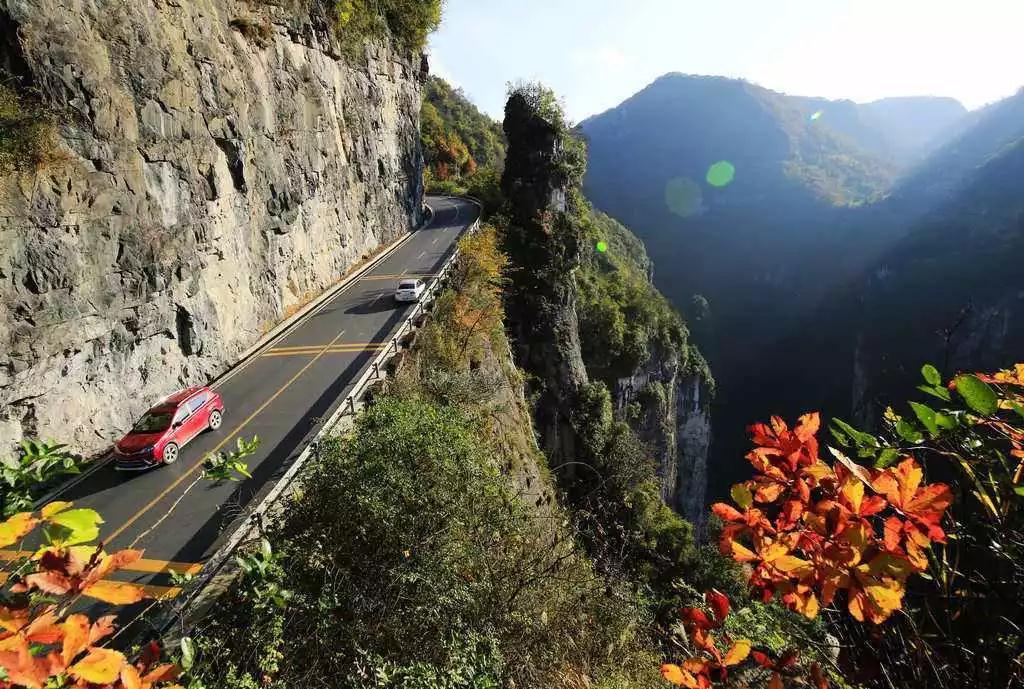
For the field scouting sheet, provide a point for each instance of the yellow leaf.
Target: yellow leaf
(742, 496)
(793, 565)
(741, 553)
(887, 599)
(738, 653)
(678, 676)
(853, 490)
(116, 592)
(14, 528)
(54, 507)
(101, 666)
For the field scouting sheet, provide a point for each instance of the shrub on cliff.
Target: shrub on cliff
(26, 133)
(409, 22)
(410, 557)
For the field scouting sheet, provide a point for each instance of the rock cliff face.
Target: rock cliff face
(209, 178)
(541, 303)
(673, 419)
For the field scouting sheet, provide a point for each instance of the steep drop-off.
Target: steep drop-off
(207, 179)
(597, 338)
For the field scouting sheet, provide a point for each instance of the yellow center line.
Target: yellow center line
(318, 347)
(151, 590)
(332, 350)
(159, 592)
(143, 565)
(238, 429)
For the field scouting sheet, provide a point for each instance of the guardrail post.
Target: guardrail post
(394, 342)
(376, 370)
(352, 404)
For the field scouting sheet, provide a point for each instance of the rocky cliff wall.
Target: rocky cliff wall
(208, 178)
(671, 414)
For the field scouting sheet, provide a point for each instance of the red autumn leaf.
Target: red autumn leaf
(719, 604)
(924, 506)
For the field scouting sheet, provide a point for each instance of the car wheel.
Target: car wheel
(170, 453)
(216, 419)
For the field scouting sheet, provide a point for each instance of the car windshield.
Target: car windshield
(153, 422)
(407, 284)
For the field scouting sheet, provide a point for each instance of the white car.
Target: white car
(410, 290)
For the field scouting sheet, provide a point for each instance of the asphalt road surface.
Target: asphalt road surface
(280, 394)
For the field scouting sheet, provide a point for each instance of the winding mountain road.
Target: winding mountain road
(281, 393)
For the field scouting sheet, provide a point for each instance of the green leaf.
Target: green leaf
(931, 374)
(936, 391)
(978, 395)
(860, 437)
(886, 458)
(741, 495)
(908, 432)
(926, 415)
(947, 421)
(1019, 490)
(1018, 408)
(77, 526)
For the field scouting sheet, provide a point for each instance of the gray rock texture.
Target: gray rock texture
(204, 186)
(674, 422)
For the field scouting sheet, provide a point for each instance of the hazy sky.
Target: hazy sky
(596, 53)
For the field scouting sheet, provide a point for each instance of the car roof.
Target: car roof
(174, 399)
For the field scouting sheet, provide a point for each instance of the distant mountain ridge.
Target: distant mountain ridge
(816, 302)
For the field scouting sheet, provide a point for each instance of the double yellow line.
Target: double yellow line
(313, 350)
(143, 566)
(407, 276)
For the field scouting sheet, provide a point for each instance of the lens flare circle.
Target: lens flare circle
(683, 196)
(721, 173)
(602, 247)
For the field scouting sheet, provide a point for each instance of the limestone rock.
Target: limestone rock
(203, 186)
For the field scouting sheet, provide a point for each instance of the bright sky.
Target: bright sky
(597, 53)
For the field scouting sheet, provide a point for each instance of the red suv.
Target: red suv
(157, 438)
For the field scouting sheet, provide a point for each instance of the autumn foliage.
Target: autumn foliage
(44, 643)
(842, 535)
(812, 532)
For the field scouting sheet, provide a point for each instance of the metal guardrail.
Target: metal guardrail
(374, 372)
(191, 596)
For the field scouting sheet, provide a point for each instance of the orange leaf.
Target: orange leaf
(130, 677)
(14, 528)
(76, 637)
(44, 629)
(100, 666)
(13, 619)
(116, 592)
(678, 676)
(738, 653)
(727, 513)
(776, 681)
(162, 673)
(102, 628)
